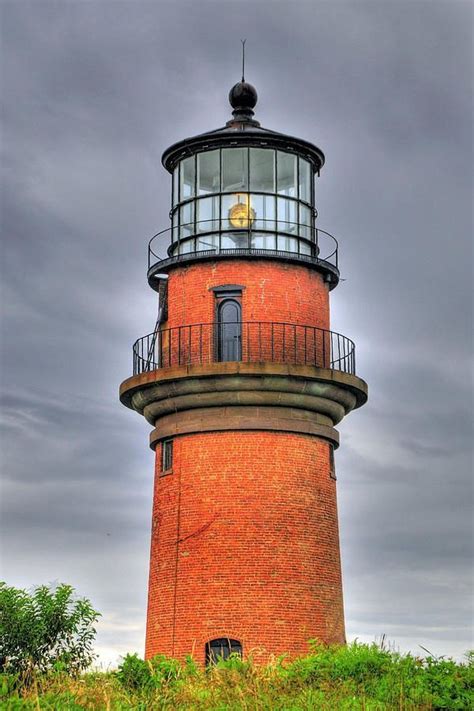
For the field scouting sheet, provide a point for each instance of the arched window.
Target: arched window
(229, 330)
(221, 649)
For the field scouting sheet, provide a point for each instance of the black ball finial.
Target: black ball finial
(243, 97)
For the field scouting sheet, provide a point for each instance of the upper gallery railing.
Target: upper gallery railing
(276, 237)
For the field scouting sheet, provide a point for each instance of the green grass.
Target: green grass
(353, 677)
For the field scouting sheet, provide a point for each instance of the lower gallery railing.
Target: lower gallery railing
(245, 341)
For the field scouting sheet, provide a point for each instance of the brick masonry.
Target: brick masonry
(244, 529)
(244, 545)
(273, 292)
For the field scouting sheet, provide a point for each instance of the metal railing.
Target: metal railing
(312, 243)
(245, 341)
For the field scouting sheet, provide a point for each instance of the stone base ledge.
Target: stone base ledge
(244, 396)
(301, 379)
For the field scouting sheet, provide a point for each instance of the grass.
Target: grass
(353, 677)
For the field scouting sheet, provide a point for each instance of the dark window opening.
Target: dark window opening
(167, 455)
(221, 649)
(229, 330)
(332, 464)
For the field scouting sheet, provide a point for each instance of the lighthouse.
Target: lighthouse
(243, 382)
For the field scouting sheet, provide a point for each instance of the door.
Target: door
(229, 330)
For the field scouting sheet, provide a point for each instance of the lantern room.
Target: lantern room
(243, 189)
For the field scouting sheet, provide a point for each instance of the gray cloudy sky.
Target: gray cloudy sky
(93, 92)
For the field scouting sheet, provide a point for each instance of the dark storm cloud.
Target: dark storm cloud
(93, 93)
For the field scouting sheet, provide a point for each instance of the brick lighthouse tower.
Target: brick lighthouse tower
(243, 382)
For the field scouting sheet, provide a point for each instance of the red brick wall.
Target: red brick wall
(244, 545)
(273, 292)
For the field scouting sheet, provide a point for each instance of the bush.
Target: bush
(137, 674)
(451, 685)
(47, 629)
(369, 671)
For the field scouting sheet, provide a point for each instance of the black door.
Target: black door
(229, 330)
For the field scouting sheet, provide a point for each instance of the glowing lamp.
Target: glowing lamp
(241, 215)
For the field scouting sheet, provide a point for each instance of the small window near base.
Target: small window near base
(167, 455)
(222, 649)
(332, 465)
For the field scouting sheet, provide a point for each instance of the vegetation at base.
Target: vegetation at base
(355, 677)
(45, 630)
(46, 641)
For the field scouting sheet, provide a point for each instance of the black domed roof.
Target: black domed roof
(243, 130)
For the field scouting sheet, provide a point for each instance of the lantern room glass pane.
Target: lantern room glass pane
(208, 172)
(187, 175)
(176, 185)
(286, 174)
(235, 240)
(264, 207)
(207, 214)
(186, 247)
(234, 169)
(304, 180)
(207, 242)
(227, 202)
(174, 224)
(287, 244)
(262, 170)
(186, 219)
(305, 221)
(287, 216)
(261, 240)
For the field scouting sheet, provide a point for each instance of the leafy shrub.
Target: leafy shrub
(355, 662)
(369, 671)
(133, 672)
(451, 685)
(137, 674)
(44, 630)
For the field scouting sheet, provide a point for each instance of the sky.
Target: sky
(93, 93)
